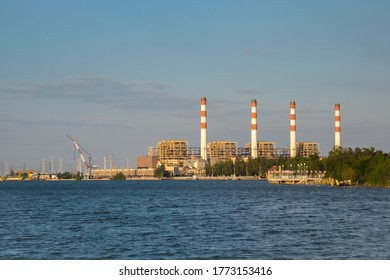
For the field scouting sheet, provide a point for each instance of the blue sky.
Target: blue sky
(121, 75)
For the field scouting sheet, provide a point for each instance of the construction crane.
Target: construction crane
(88, 165)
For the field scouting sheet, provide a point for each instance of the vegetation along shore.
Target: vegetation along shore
(359, 166)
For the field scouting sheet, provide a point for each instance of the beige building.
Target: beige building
(170, 152)
(147, 162)
(307, 149)
(221, 151)
(264, 149)
(129, 173)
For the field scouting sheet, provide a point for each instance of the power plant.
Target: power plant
(181, 159)
(177, 155)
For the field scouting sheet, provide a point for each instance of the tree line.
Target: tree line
(260, 166)
(362, 166)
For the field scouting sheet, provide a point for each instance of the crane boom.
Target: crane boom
(88, 165)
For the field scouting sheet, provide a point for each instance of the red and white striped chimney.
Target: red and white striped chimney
(337, 132)
(203, 129)
(254, 128)
(293, 136)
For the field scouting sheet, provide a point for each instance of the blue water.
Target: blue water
(191, 220)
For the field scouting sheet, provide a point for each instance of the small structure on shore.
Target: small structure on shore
(290, 177)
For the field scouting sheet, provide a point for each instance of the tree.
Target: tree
(119, 176)
(208, 170)
(79, 176)
(160, 172)
(365, 166)
(239, 167)
(65, 175)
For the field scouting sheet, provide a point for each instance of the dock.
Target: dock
(296, 180)
(291, 177)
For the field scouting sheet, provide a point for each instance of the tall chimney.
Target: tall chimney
(293, 137)
(203, 129)
(254, 128)
(337, 136)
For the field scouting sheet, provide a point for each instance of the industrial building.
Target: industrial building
(176, 153)
(173, 152)
(147, 162)
(307, 149)
(176, 156)
(264, 149)
(111, 172)
(221, 151)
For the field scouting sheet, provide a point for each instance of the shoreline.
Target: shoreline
(242, 178)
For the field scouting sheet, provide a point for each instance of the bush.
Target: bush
(119, 176)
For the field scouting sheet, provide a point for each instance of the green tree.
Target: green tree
(65, 175)
(208, 169)
(160, 172)
(363, 166)
(240, 167)
(119, 176)
(79, 176)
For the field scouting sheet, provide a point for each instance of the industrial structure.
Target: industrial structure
(203, 128)
(221, 151)
(254, 149)
(307, 149)
(172, 152)
(147, 162)
(88, 165)
(293, 136)
(337, 136)
(264, 149)
(177, 153)
(181, 159)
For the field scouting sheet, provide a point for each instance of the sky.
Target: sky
(119, 76)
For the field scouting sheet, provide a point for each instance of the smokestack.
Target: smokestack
(337, 136)
(254, 128)
(293, 137)
(203, 129)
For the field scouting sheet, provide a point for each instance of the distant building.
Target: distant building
(221, 151)
(171, 152)
(307, 149)
(147, 162)
(264, 149)
(111, 172)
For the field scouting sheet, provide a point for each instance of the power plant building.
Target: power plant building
(264, 149)
(170, 152)
(147, 162)
(176, 153)
(221, 151)
(307, 149)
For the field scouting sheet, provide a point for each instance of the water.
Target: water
(191, 220)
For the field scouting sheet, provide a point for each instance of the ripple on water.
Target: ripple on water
(191, 220)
